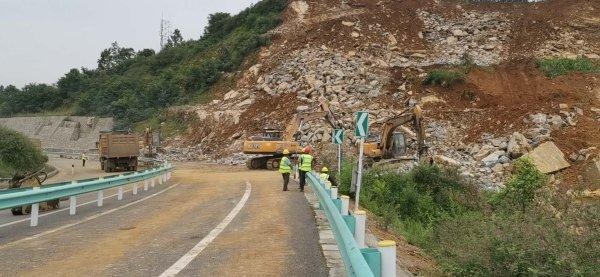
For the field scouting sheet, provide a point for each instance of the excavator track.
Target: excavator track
(266, 162)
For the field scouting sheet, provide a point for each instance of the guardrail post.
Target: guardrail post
(135, 188)
(160, 179)
(388, 258)
(359, 233)
(72, 202)
(100, 198)
(146, 184)
(334, 193)
(345, 204)
(152, 182)
(72, 205)
(120, 193)
(35, 210)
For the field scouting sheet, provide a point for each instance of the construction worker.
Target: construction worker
(305, 165)
(285, 168)
(83, 159)
(326, 177)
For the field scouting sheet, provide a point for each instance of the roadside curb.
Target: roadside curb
(329, 247)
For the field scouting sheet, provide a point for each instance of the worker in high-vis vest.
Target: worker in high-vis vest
(326, 177)
(305, 165)
(285, 168)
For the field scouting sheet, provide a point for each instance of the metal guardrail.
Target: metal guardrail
(28, 196)
(355, 263)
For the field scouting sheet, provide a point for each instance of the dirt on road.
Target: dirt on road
(274, 234)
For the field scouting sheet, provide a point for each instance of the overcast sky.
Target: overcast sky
(40, 40)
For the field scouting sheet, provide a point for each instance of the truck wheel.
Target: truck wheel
(17, 211)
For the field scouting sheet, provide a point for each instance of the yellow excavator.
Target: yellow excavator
(28, 180)
(391, 145)
(271, 143)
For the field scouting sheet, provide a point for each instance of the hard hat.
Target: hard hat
(286, 152)
(307, 149)
(324, 169)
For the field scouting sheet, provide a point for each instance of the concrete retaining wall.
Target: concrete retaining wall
(61, 132)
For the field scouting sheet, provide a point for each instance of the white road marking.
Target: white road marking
(193, 253)
(12, 243)
(55, 211)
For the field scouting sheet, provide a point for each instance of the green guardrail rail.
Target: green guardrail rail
(27, 196)
(353, 258)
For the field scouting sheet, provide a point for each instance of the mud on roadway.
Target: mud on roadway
(274, 233)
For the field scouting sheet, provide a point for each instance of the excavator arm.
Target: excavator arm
(292, 131)
(390, 125)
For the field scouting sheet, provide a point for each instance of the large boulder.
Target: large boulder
(492, 159)
(517, 145)
(548, 158)
(446, 161)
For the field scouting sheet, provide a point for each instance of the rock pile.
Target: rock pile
(314, 72)
(569, 43)
(478, 36)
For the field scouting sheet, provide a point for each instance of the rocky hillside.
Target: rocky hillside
(375, 55)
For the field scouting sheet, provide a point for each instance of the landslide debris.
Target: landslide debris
(374, 56)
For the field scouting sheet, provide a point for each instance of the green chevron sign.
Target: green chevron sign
(362, 124)
(338, 136)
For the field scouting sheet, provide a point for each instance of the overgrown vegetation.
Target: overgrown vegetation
(525, 229)
(134, 86)
(444, 77)
(562, 66)
(18, 154)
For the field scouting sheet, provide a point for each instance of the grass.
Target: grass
(444, 77)
(555, 67)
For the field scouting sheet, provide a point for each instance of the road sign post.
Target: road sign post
(362, 130)
(338, 138)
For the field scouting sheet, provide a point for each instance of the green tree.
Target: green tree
(71, 85)
(175, 39)
(114, 56)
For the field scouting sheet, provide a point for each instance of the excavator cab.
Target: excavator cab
(398, 145)
(269, 134)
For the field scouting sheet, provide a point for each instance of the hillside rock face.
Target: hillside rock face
(374, 56)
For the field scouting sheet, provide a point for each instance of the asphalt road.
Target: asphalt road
(272, 233)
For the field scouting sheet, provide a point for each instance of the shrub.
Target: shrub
(562, 66)
(521, 187)
(444, 78)
(413, 203)
(527, 229)
(534, 242)
(345, 178)
(18, 154)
